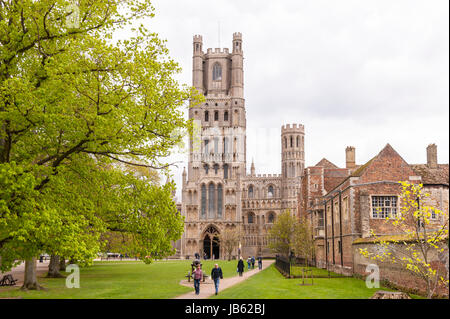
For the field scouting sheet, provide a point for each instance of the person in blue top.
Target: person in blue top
(253, 262)
(216, 275)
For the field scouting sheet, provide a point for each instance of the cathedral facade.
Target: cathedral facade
(218, 192)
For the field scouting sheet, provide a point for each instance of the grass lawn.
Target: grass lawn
(123, 279)
(270, 284)
(317, 272)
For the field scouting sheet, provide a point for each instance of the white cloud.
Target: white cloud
(360, 73)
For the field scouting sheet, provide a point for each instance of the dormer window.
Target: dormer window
(217, 72)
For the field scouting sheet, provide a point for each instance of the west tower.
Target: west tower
(211, 196)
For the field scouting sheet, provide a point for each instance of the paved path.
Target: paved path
(207, 289)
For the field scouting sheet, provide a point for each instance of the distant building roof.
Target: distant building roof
(326, 163)
(438, 176)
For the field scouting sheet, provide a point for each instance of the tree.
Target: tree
(303, 242)
(74, 103)
(420, 238)
(281, 235)
(229, 239)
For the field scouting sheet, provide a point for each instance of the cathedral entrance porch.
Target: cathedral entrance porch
(211, 243)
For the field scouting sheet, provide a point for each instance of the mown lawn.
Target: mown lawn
(316, 272)
(270, 284)
(123, 279)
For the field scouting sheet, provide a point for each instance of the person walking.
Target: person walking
(260, 262)
(249, 262)
(198, 274)
(216, 275)
(253, 262)
(240, 267)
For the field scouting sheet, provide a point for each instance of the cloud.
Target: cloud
(361, 73)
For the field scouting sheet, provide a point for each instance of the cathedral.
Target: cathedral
(218, 192)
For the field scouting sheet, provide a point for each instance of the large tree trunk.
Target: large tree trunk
(53, 268)
(30, 280)
(62, 264)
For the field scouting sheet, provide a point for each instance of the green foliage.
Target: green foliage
(303, 242)
(281, 235)
(77, 110)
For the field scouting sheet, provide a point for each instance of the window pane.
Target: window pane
(217, 72)
(203, 215)
(225, 171)
(211, 194)
(219, 201)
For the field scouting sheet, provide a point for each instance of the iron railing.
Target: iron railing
(285, 265)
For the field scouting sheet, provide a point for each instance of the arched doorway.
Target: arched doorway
(211, 243)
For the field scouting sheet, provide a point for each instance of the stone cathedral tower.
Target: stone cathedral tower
(217, 192)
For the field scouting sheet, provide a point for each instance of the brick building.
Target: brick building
(345, 204)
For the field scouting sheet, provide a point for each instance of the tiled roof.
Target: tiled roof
(326, 163)
(358, 172)
(429, 175)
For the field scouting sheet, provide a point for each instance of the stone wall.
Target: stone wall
(394, 273)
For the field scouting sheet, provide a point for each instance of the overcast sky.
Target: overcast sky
(359, 73)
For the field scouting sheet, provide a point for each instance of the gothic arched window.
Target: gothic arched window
(217, 72)
(250, 192)
(206, 116)
(211, 191)
(206, 148)
(216, 168)
(271, 218)
(225, 116)
(270, 191)
(216, 115)
(225, 171)
(216, 145)
(225, 146)
(219, 200)
(251, 218)
(298, 138)
(203, 201)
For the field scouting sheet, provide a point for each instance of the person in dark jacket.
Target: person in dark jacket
(216, 275)
(260, 262)
(253, 262)
(240, 266)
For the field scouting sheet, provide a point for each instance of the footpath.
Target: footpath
(207, 288)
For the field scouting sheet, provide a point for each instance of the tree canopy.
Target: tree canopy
(76, 106)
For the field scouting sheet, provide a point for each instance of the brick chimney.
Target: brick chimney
(432, 156)
(350, 157)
